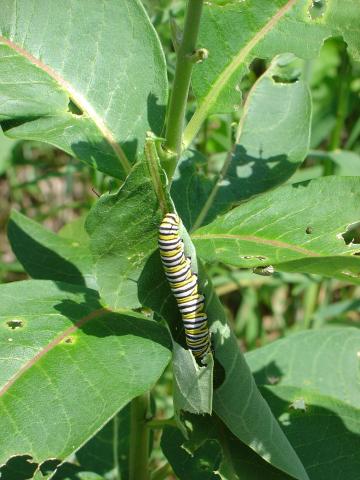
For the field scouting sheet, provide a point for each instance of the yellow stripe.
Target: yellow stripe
(168, 237)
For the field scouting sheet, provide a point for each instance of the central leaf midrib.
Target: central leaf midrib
(254, 239)
(79, 100)
(53, 343)
(209, 100)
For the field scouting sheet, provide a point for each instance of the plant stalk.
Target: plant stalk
(179, 96)
(342, 107)
(311, 295)
(139, 438)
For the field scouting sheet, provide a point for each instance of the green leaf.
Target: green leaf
(193, 383)
(68, 365)
(347, 163)
(312, 360)
(75, 231)
(237, 401)
(92, 83)
(47, 256)
(212, 452)
(105, 454)
(302, 223)
(271, 142)
(6, 146)
(267, 29)
(123, 230)
(297, 374)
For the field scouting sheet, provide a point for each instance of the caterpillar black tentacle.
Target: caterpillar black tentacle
(184, 285)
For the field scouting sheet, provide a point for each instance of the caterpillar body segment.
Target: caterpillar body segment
(184, 285)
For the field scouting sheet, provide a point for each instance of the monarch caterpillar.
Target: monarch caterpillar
(184, 285)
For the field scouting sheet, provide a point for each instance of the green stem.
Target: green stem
(139, 438)
(342, 107)
(161, 423)
(179, 96)
(310, 302)
(116, 447)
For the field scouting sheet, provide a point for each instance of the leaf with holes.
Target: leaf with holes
(212, 452)
(272, 140)
(91, 83)
(235, 33)
(309, 400)
(48, 256)
(303, 225)
(236, 399)
(67, 366)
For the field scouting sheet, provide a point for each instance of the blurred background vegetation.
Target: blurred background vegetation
(54, 189)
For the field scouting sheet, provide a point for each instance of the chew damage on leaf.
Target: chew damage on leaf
(317, 9)
(351, 235)
(14, 324)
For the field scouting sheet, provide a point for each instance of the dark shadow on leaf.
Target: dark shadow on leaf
(325, 445)
(246, 176)
(101, 156)
(40, 262)
(269, 375)
(95, 320)
(97, 455)
(155, 114)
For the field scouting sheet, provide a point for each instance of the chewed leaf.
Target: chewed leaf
(92, 95)
(268, 29)
(296, 228)
(68, 366)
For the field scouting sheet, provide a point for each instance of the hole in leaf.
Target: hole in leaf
(352, 234)
(279, 79)
(309, 230)
(20, 467)
(74, 109)
(317, 9)
(14, 324)
(49, 466)
(351, 274)
(299, 404)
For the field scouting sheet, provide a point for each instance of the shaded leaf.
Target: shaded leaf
(271, 142)
(237, 401)
(48, 256)
(123, 230)
(267, 29)
(6, 146)
(105, 454)
(212, 452)
(302, 223)
(311, 381)
(323, 355)
(68, 365)
(91, 83)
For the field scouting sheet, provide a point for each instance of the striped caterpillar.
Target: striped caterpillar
(184, 285)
